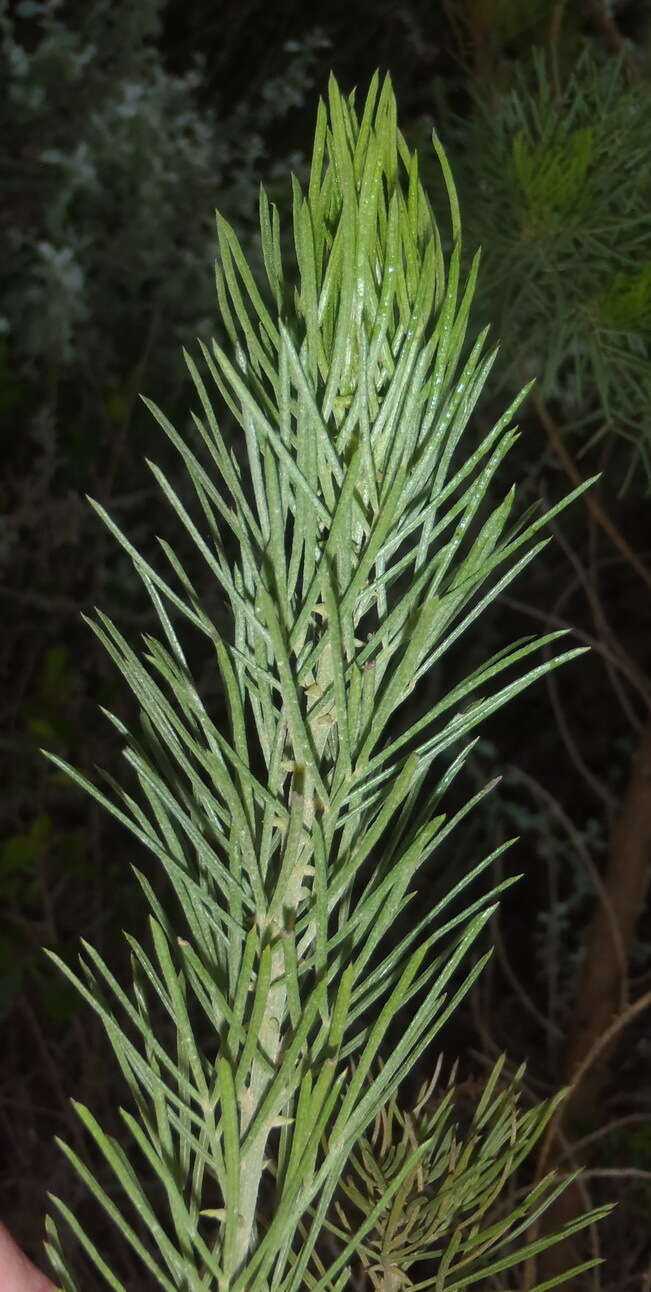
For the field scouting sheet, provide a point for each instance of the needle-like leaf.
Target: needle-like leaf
(355, 538)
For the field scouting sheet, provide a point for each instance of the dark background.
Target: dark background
(85, 332)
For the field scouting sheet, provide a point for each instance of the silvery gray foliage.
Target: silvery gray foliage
(110, 171)
(108, 166)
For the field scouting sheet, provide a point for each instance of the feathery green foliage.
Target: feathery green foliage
(556, 179)
(292, 834)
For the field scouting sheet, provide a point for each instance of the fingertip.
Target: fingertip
(17, 1274)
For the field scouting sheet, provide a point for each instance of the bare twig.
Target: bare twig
(555, 1260)
(602, 1043)
(590, 501)
(613, 936)
(625, 881)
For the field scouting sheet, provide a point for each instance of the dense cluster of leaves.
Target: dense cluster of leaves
(111, 172)
(449, 1208)
(365, 549)
(556, 177)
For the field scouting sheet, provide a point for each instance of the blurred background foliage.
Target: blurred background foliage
(122, 127)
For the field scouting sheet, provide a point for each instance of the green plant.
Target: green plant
(556, 177)
(252, 1040)
(107, 155)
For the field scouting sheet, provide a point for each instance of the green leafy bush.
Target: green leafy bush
(556, 178)
(293, 832)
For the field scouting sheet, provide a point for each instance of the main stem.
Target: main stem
(270, 1040)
